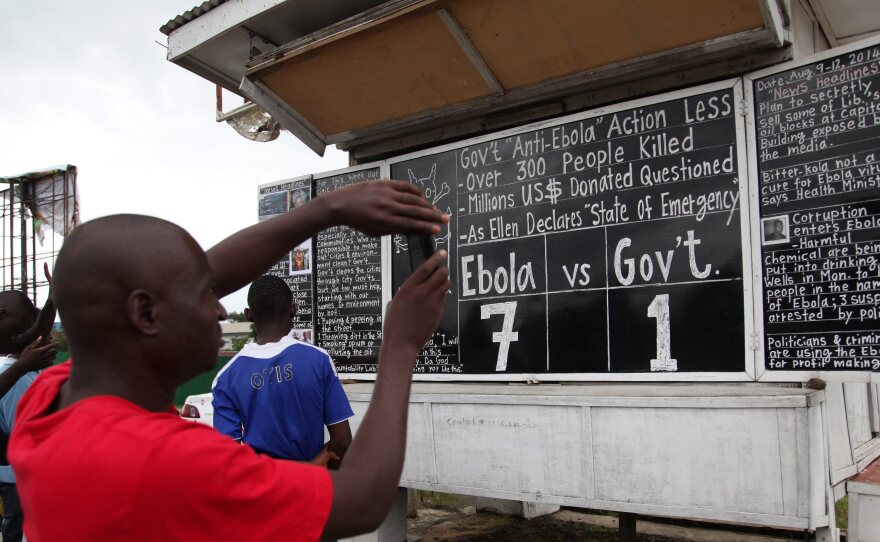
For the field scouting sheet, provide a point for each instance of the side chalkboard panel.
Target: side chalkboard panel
(608, 242)
(296, 268)
(348, 286)
(817, 141)
(432, 175)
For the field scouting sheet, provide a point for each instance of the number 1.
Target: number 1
(506, 335)
(659, 309)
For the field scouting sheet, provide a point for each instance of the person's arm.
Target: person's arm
(337, 411)
(227, 419)
(365, 485)
(340, 440)
(372, 207)
(34, 357)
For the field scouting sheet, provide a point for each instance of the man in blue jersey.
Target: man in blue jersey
(278, 394)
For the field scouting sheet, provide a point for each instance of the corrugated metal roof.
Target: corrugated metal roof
(190, 15)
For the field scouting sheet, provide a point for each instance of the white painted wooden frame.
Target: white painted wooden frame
(748, 372)
(763, 374)
(591, 424)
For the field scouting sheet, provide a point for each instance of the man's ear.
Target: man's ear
(141, 307)
(248, 315)
(292, 310)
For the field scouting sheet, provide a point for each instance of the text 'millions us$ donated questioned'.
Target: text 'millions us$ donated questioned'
(607, 244)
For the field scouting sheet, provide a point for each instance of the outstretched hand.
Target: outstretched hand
(384, 207)
(37, 356)
(416, 309)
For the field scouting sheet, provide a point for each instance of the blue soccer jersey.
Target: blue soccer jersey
(277, 397)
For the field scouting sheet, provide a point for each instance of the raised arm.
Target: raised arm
(372, 207)
(365, 484)
(42, 326)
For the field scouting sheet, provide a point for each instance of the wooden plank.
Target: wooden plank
(858, 413)
(368, 147)
(867, 453)
(589, 469)
(363, 21)
(530, 41)
(509, 447)
(665, 62)
(874, 390)
(405, 67)
(640, 457)
(471, 52)
(790, 457)
(604, 390)
(803, 462)
(840, 457)
(818, 467)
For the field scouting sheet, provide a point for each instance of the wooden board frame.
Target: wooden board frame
(748, 372)
(762, 373)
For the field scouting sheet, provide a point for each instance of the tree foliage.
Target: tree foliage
(236, 316)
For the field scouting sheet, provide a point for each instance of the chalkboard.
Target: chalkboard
(348, 286)
(817, 140)
(295, 268)
(607, 242)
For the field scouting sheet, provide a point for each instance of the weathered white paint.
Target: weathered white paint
(842, 463)
(214, 23)
(726, 453)
(874, 392)
(705, 459)
(864, 512)
(858, 412)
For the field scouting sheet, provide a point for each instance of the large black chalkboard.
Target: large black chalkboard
(348, 287)
(608, 244)
(818, 146)
(295, 268)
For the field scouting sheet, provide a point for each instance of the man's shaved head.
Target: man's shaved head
(120, 282)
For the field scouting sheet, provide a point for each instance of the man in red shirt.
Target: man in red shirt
(98, 453)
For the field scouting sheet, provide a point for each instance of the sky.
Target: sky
(85, 83)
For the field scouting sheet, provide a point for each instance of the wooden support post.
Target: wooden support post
(626, 524)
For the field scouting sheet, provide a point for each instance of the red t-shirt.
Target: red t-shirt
(106, 469)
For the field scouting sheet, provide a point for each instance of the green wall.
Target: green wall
(199, 384)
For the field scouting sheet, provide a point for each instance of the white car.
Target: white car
(198, 408)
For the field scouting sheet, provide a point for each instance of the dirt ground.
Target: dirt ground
(450, 518)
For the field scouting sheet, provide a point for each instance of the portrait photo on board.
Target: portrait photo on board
(774, 230)
(304, 335)
(301, 259)
(298, 197)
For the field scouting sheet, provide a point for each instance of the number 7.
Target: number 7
(506, 335)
